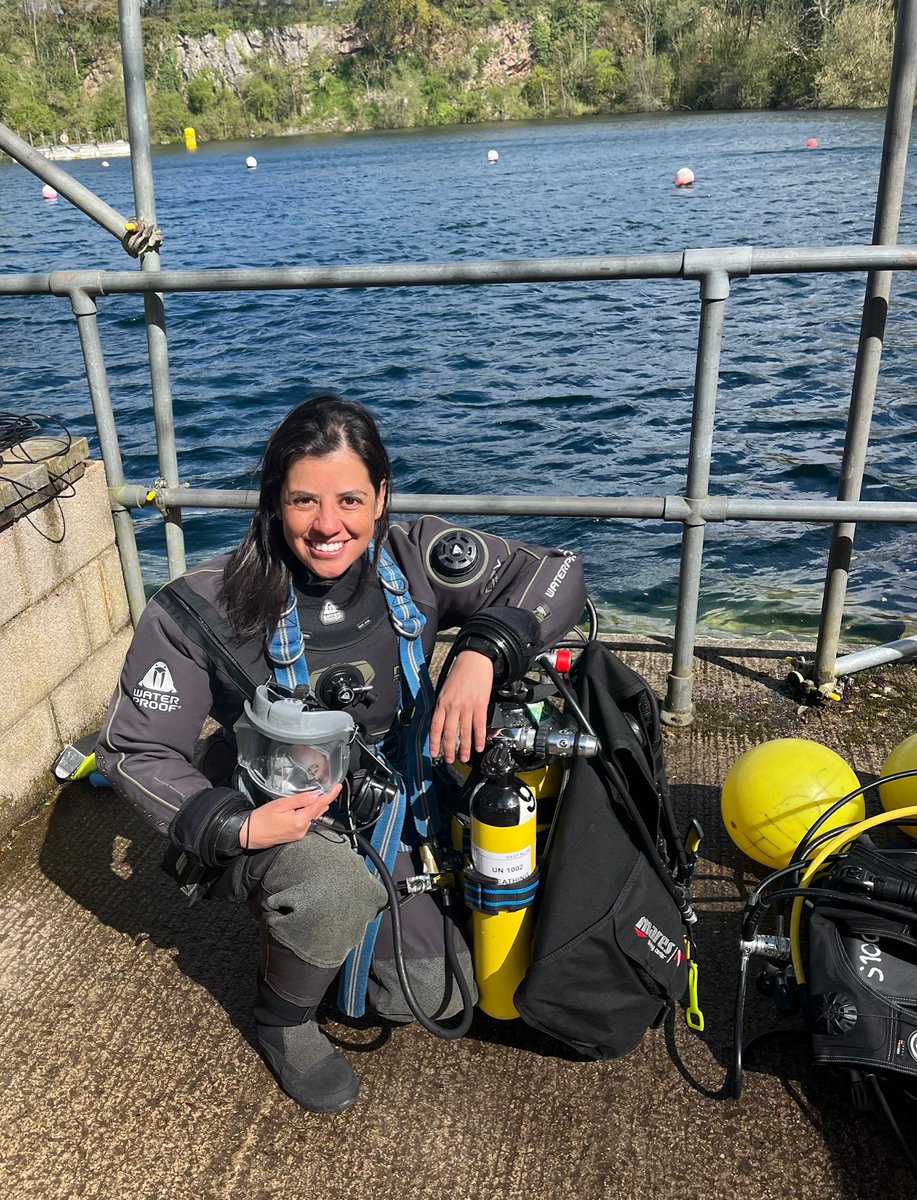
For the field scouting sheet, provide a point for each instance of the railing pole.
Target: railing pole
(872, 332)
(84, 309)
(678, 708)
(154, 310)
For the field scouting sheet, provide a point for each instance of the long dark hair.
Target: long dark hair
(256, 580)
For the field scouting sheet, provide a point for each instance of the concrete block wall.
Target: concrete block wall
(64, 618)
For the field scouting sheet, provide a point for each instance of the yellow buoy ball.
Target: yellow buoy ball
(776, 791)
(903, 792)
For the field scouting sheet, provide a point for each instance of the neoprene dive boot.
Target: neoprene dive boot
(308, 1068)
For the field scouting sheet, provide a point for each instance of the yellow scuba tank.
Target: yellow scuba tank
(502, 878)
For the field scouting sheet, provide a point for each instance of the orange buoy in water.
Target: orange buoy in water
(812, 143)
(684, 177)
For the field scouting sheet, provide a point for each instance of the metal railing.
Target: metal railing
(713, 269)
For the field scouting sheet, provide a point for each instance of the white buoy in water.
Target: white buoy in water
(104, 162)
(48, 192)
(684, 177)
(493, 156)
(251, 161)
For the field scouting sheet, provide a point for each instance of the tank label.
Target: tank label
(505, 868)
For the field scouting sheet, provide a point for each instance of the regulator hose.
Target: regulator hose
(850, 834)
(432, 1026)
(735, 1077)
(804, 849)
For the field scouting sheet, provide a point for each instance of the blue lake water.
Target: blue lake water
(554, 388)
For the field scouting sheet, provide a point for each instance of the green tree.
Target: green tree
(31, 116)
(423, 61)
(856, 55)
(107, 108)
(541, 39)
(647, 82)
(602, 80)
(166, 73)
(203, 93)
(391, 26)
(169, 115)
(539, 90)
(259, 99)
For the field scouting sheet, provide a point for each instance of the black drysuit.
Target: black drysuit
(312, 899)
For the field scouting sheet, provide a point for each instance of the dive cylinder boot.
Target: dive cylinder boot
(308, 1068)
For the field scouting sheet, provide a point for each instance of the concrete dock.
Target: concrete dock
(76, 151)
(127, 1061)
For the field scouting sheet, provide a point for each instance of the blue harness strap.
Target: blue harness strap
(413, 763)
(286, 649)
(385, 840)
(417, 696)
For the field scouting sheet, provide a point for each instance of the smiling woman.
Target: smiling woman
(320, 574)
(328, 509)
(325, 490)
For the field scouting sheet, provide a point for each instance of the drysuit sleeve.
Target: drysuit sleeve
(147, 740)
(459, 571)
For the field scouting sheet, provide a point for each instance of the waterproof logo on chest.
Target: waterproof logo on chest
(330, 614)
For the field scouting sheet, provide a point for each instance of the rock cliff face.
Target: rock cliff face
(228, 57)
(508, 51)
(511, 53)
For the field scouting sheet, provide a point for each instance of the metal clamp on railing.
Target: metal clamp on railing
(141, 237)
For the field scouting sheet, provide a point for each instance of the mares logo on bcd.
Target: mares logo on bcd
(156, 690)
(663, 947)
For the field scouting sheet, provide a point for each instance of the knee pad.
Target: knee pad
(320, 898)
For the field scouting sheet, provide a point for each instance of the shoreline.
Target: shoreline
(121, 147)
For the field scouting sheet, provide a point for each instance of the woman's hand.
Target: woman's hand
(461, 709)
(287, 819)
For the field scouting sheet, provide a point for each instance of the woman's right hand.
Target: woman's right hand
(286, 819)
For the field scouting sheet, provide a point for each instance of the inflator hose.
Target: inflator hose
(434, 1027)
(843, 838)
(735, 1077)
(806, 845)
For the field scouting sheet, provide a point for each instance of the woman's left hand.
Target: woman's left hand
(460, 715)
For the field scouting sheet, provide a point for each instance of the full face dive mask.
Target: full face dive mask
(285, 746)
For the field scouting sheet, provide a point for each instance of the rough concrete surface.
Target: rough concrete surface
(128, 1070)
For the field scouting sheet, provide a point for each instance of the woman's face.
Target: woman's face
(328, 508)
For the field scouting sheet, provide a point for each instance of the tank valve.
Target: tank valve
(549, 743)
